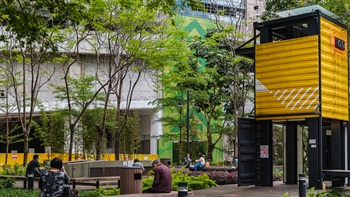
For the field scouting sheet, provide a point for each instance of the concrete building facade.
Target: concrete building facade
(196, 23)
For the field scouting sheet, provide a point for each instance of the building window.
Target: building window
(222, 9)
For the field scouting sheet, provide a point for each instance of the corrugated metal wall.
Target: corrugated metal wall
(287, 82)
(334, 67)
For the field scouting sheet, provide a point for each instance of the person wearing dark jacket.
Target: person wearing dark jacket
(162, 179)
(33, 166)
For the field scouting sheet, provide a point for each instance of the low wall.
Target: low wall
(98, 168)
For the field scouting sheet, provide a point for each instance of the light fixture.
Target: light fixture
(182, 189)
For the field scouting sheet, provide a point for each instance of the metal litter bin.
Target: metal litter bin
(166, 161)
(130, 180)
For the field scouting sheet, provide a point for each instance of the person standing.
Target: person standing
(162, 179)
(54, 180)
(33, 166)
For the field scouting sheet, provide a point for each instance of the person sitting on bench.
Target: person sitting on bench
(162, 182)
(200, 162)
(187, 161)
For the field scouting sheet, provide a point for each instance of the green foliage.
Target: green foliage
(50, 130)
(129, 138)
(334, 193)
(277, 175)
(147, 182)
(6, 183)
(13, 170)
(219, 82)
(12, 192)
(194, 182)
(105, 191)
(81, 90)
(87, 133)
(277, 145)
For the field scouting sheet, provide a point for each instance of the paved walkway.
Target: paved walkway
(278, 190)
(232, 190)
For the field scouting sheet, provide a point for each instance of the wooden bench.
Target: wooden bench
(332, 175)
(95, 181)
(19, 178)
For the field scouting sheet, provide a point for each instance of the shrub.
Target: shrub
(15, 170)
(196, 185)
(104, 191)
(201, 181)
(335, 193)
(6, 183)
(277, 175)
(11, 192)
(147, 182)
(220, 177)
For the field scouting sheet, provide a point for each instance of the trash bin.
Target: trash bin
(166, 161)
(130, 180)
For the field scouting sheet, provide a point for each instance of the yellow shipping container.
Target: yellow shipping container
(297, 78)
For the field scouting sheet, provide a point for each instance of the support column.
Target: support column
(291, 153)
(265, 35)
(314, 157)
(156, 129)
(266, 164)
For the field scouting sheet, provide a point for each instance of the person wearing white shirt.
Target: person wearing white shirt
(201, 162)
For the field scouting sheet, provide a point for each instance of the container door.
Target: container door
(246, 152)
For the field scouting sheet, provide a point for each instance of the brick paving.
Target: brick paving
(232, 190)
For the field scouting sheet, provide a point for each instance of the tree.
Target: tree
(135, 37)
(8, 133)
(9, 128)
(89, 120)
(235, 29)
(81, 94)
(49, 129)
(212, 81)
(130, 139)
(30, 31)
(175, 118)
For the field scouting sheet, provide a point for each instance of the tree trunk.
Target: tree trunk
(236, 146)
(210, 145)
(71, 143)
(99, 142)
(116, 148)
(235, 113)
(210, 152)
(180, 144)
(26, 149)
(7, 152)
(7, 127)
